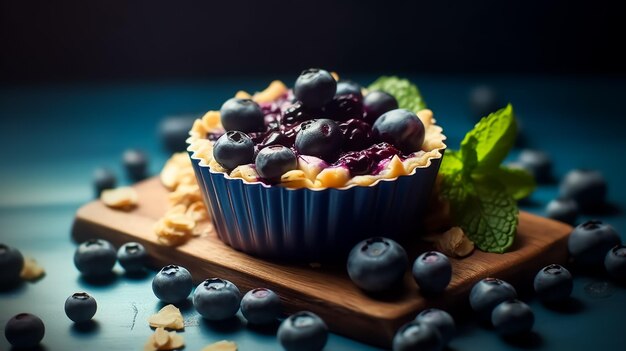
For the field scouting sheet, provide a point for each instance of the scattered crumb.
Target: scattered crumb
(315, 265)
(452, 243)
(32, 270)
(223, 345)
(123, 198)
(168, 317)
(163, 340)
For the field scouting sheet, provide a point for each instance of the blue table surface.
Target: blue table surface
(52, 137)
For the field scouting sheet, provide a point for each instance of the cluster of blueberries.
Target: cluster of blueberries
(135, 164)
(326, 119)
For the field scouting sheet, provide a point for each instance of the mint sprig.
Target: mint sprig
(481, 192)
(406, 93)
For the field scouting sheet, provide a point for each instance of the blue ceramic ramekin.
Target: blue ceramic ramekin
(313, 225)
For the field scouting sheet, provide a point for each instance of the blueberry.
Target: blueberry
(357, 135)
(417, 336)
(589, 242)
(377, 264)
(345, 87)
(243, 115)
(24, 330)
(538, 164)
(432, 272)
(11, 264)
(615, 262)
(588, 188)
(401, 128)
(298, 113)
(216, 299)
(553, 283)
(95, 257)
(344, 107)
(274, 161)
(275, 138)
(174, 132)
(172, 284)
(233, 149)
(564, 210)
(303, 331)
(512, 317)
(320, 138)
(376, 103)
(261, 306)
(132, 257)
(488, 293)
(136, 164)
(439, 319)
(103, 178)
(483, 100)
(315, 87)
(80, 307)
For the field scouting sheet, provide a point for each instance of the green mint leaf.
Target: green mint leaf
(406, 93)
(495, 135)
(469, 155)
(451, 163)
(517, 182)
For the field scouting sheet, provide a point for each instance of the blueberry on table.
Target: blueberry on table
(345, 87)
(233, 149)
(11, 264)
(103, 178)
(377, 102)
(512, 317)
(439, 319)
(615, 262)
(132, 257)
(315, 87)
(274, 161)
(564, 210)
(432, 272)
(553, 283)
(488, 293)
(243, 115)
(95, 257)
(377, 264)
(483, 100)
(172, 284)
(357, 135)
(174, 132)
(136, 164)
(588, 188)
(261, 306)
(538, 164)
(401, 128)
(590, 241)
(343, 108)
(80, 307)
(320, 138)
(24, 330)
(303, 331)
(417, 335)
(216, 299)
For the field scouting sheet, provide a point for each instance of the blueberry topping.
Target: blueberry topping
(172, 284)
(439, 319)
(132, 257)
(417, 336)
(243, 115)
(588, 188)
(315, 87)
(366, 161)
(103, 178)
(345, 87)
(275, 138)
(357, 135)
(260, 306)
(615, 262)
(376, 103)
(298, 113)
(24, 331)
(553, 283)
(95, 257)
(216, 299)
(537, 163)
(136, 164)
(564, 210)
(401, 128)
(303, 331)
(344, 107)
(377, 264)
(11, 264)
(174, 132)
(488, 293)
(512, 317)
(432, 272)
(320, 138)
(80, 307)
(274, 161)
(484, 100)
(233, 149)
(589, 242)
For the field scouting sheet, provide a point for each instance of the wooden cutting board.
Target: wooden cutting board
(325, 290)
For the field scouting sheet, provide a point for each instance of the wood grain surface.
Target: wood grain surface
(325, 290)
